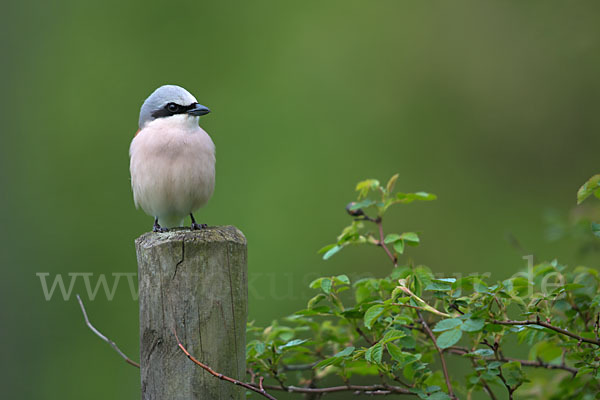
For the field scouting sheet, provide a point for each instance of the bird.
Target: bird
(172, 159)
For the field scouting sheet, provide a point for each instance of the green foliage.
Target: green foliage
(397, 328)
(357, 232)
(592, 186)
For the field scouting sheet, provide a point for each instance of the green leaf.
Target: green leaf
(315, 300)
(361, 294)
(410, 197)
(423, 275)
(326, 285)
(424, 196)
(362, 367)
(473, 325)
(343, 279)
(447, 324)
(397, 292)
(546, 351)
(337, 358)
(374, 353)
(293, 343)
(399, 246)
(446, 280)
(391, 238)
(410, 358)
(584, 371)
(512, 373)
(588, 188)
(391, 183)
(325, 249)
(329, 253)
(596, 229)
(395, 352)
(372, 314)
(448, 338)
(572, 286)
(410, 237)
(346, 352)
(316, 284)
(480, 287)
(392, 335)
(438, 396)
(362, 204)
(482, 353)
(494, 365)
(329, 361)
(408, 342)
(314, 311)
(438, 286)
(260, 348)
(363, 187)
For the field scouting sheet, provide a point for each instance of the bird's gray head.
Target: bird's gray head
(170, 100)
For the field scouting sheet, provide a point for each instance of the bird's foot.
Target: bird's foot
(158, 228)
(197, 227)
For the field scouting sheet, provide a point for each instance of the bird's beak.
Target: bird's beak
(198, 110)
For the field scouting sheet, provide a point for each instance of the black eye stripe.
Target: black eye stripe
(172, 109)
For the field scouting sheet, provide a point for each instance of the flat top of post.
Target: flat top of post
(227, 233)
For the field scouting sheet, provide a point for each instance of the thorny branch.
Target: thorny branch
(496, 349)
(441, 354)
(525, 363)
(486, 387)
(260, 388)
(539, 322)
(423, 322)
(371, 389)
(382, 242)
(257, 389)
(104, 338)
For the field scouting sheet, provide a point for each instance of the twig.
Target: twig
(486, 387)
(361, 333)
(257, 389)
(524, 363)
(104, 338)
(261, 388)
(441, 354)
(497, 354)
(509, 388)
(372, 389)
(382, 242)
(549, 326)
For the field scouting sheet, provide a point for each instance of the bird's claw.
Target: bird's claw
(197, 227)
(159, 229)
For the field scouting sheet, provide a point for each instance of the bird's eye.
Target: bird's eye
(172, 107)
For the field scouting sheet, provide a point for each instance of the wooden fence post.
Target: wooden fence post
(194, 282)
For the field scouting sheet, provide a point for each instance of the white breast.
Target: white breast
(172, 168)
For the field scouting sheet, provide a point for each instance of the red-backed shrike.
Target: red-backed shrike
(172, 159)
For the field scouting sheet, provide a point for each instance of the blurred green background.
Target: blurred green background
(493, 106)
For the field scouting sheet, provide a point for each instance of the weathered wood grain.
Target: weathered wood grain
(195, 282)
